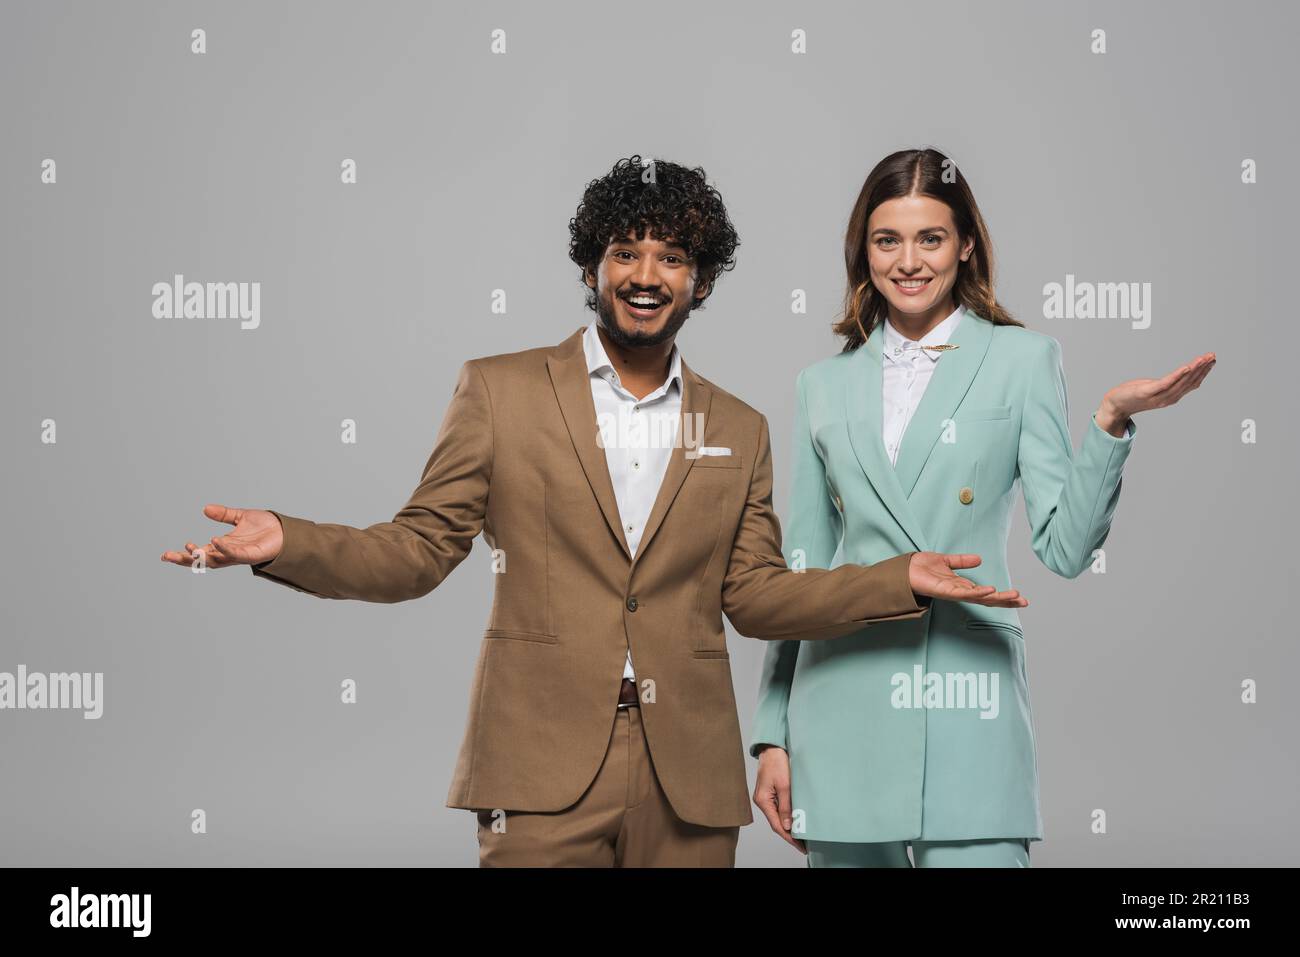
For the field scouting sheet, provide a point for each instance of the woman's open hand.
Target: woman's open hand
(1140, 395)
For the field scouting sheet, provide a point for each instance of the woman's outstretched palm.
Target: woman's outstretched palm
(1142, 395)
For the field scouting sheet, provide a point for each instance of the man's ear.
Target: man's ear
(702, 290)
(589, 277)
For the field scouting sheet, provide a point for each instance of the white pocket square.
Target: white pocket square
(713, 450)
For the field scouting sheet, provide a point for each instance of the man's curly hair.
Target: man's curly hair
(678, 205)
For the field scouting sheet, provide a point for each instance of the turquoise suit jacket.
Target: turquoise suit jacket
(872, 758)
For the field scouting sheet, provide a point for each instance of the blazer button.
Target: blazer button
(631, 603)
(966, 495)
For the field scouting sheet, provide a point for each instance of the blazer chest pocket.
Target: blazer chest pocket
(717, 462)
(984, 413)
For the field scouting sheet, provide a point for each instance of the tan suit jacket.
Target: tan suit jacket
(517, 458)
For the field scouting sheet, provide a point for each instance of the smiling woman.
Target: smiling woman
(920, 434)
(928, 246)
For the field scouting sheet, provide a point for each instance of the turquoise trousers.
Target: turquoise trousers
(982, 853)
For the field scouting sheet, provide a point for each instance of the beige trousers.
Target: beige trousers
(623, 820)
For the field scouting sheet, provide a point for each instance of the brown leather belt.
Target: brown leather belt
(627, 694)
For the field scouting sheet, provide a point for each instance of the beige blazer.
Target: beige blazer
(517, 458)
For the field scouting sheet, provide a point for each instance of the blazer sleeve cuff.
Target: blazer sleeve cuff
(755, 747)
(890, 594)
(1096, 432)
(1102, 455)
(290, 566)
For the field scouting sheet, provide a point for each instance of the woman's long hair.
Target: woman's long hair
(924, 172)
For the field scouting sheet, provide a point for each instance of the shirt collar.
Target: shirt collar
(939, 335)
(598, 359)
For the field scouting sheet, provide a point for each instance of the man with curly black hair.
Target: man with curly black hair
(682, 207)
(628, 503)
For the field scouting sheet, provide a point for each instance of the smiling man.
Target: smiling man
(602, 727)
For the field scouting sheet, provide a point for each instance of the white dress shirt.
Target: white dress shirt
(638, 435)
(906, 369)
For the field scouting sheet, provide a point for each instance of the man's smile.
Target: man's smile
(643, 305)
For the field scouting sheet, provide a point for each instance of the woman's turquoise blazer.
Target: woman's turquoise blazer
(879, 750)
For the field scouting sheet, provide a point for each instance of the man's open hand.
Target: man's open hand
(931, 573)
(257, 537)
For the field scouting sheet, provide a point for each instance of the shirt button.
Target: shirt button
(628, 527)
(631, 603)
(636, 465)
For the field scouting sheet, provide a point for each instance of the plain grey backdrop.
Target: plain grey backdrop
(222, 692)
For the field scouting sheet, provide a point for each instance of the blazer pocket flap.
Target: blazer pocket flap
(520, 636)
(984, 412)
(976, 624)
(717, 461)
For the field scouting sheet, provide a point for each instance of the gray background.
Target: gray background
(222, 691)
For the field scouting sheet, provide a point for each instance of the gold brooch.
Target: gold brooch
(943, 347)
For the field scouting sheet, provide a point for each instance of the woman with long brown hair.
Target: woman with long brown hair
(915, 438)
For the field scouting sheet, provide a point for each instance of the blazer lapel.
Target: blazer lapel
(952, 378)
(696, 397)
(863, 412)
(572, 382)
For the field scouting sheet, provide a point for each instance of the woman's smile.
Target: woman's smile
(911, 287)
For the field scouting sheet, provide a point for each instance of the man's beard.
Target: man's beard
(609, 322)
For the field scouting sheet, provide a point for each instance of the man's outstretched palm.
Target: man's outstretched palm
(931, 573)
(257, 537)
